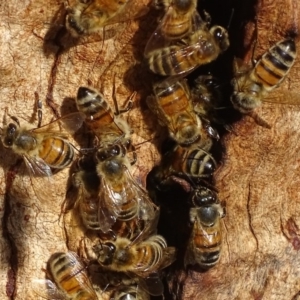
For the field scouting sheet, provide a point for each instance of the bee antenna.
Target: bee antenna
(230, 19)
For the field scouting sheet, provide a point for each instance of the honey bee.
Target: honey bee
(89, 16)
(172, 104)
(191, 163)
(143, 258)
(179, 58)
(88, 200)
(251, 85)
(180, 18)
(99, 117)
(121, 198)
(130, 293)
(69, 279)
(204, 246)
(44, 148)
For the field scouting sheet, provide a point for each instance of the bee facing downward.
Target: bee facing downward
(205, 242)
(252, 85)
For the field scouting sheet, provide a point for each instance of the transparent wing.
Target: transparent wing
(37, 166)
(132, 9)
(152, 284)
(109, 205)
(46, 289)
(40, 177)
(159, 40)
(68, 124)
(284, 97)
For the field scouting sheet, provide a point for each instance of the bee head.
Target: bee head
(221, 36)
(185, 5)
(10, 135)
(203, 196)
(105, 252)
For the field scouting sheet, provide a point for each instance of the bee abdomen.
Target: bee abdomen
(89, 213)
(56, 152)
(62, 269)
(275, 64)
(199, 164)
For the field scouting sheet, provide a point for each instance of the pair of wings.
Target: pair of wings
(39, 171)
(47, 289)
(240, 68)
(184, 47)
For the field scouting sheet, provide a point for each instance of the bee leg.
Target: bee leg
(134, 159)
(39, 105)
(258, 120)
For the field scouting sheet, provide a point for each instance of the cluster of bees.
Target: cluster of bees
(125, 251)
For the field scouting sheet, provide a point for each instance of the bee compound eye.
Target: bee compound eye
(101, 155)
(221, 36)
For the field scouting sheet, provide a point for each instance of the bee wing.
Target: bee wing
(169, 257)
(67, 124)
(158, 39)
(108, 208)
(37, 166)
(46, 289)
(40, 176)
(285, 97)
(132, 9)
(152, 284)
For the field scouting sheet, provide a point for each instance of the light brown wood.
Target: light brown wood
(258, 178)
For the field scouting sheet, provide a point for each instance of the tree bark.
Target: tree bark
(258, 177)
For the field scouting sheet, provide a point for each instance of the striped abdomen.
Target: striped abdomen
(56, 152)
(175, 104)
(178, 59)
(89, 212)
(71, 276)
(193, 162)
(207, 243)
(99, 116)
(275, 64)
(150, 253)
(176, 24)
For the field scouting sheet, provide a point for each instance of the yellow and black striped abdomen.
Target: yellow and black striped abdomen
(207, 243)
(198, 163)
(275, 64)
(56, 152)
(176, 26)
(173, 100)
(71, 277)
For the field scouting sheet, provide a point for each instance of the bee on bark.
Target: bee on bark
(172, 103)
(130, 293)
(87, 182)
(205, 242)
(181, 57)
(180, 19)
(252, 85)
(99, 117)
(69, 279)
(121, 198)
(43, 148)
(143, 258)
(89, 16)
(191, 163)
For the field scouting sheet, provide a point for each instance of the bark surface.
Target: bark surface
(258, 178)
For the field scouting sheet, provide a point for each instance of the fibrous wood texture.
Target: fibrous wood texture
(258, 177)
(259, 180)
